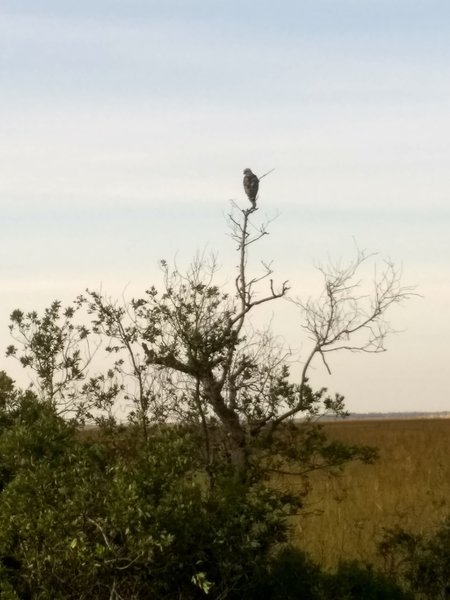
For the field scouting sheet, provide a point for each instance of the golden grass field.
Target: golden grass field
(409, 486)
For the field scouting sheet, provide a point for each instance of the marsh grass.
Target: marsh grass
(344, 517)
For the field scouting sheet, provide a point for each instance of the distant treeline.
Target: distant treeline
(392, 415)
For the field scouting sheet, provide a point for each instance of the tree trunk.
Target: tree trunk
(232, 425)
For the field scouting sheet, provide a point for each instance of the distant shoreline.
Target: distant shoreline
(375, 416)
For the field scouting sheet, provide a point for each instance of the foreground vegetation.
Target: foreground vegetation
(198, 491)
(109, 513)
(127, 516)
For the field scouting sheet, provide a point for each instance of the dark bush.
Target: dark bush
(83, 519)
(422, 562)
(357, 581)
(293, 576)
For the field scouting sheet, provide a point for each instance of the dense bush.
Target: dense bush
(422, 562)
(84, 518)
(292, 575)
(111, 513)
(355, 581)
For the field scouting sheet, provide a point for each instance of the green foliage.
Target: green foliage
(422, 562)
(84, 518)
(56, 349)
(113, 514)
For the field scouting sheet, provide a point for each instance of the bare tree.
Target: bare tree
(346, 317)
(238, 376)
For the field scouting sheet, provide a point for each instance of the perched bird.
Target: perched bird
(251, 185)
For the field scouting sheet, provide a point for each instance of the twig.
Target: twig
(268, 173)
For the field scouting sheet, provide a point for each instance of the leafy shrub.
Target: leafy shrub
(119, 514)
(80, 518)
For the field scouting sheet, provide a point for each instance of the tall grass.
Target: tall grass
(409, 485)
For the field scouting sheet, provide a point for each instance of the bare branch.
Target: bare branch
(265, 174)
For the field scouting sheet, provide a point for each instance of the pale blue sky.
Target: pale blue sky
(125, 126)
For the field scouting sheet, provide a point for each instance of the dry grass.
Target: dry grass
(408, 486)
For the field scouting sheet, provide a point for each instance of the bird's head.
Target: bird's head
(248, 172)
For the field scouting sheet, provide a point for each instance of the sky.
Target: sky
(125, 126)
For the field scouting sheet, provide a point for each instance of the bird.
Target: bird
(251, 185)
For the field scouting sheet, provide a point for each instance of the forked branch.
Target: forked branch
(344, 317)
